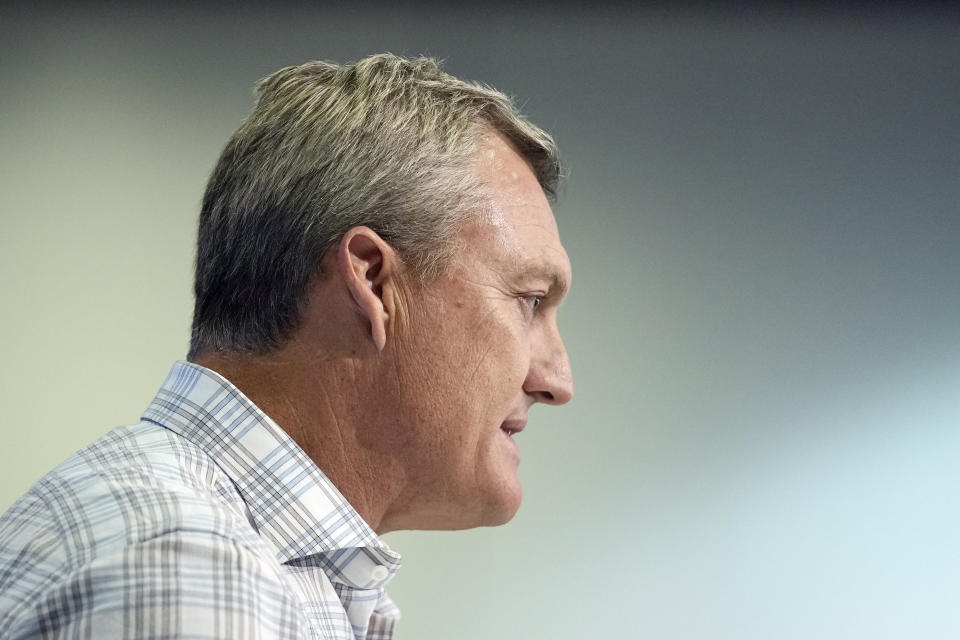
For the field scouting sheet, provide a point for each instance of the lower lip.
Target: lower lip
(509, 439)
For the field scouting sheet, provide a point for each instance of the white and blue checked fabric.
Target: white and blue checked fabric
(203, 521)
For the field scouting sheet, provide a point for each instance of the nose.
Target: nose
(550, 379)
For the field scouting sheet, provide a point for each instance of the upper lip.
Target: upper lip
(515, 425)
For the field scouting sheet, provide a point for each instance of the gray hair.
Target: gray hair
(385, 142)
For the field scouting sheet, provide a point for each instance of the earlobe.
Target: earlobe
(365, 261)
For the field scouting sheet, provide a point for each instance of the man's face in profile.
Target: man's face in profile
(482, 348)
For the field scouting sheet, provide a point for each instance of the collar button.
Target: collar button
(379, 573)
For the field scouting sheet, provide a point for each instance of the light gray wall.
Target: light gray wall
(762, 214)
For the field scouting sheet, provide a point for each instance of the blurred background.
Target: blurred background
(762, 215)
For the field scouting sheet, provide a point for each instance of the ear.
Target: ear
(365, 261)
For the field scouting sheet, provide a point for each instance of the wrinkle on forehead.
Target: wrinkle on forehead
(516, 220)
(503, 168)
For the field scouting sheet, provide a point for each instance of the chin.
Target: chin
(496, 509)
(492, 508)
(504, 507)
(499, 518)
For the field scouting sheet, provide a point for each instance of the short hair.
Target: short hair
(387, 142)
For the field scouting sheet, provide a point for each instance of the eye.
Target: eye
(531, 302)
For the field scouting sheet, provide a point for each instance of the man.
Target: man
(377, 282)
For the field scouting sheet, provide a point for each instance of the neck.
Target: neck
(307, 396)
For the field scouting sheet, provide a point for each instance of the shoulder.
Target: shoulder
(138, 490)
(195, 584)
(133, 483)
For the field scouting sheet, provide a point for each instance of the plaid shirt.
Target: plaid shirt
(203, 521)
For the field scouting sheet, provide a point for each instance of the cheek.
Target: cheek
(468, 365)
(498, 360)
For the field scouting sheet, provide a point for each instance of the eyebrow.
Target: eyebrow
(559, 284)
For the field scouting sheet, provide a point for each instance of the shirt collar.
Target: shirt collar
(293, 504)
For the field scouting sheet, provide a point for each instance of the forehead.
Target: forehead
(517, 232)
